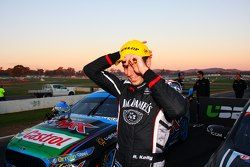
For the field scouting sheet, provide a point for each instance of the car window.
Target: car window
(61, 87)
(242, 135)
(56, 86)
(108, 109)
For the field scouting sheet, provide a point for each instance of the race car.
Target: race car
(82, 138)
(85, 136)
(235, 149)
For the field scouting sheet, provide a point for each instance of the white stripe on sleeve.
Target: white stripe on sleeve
(112, 82)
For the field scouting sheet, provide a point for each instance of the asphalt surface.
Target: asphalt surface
(230, 94)
(194, 152)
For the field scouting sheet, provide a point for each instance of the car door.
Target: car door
(56, 90)
(63, 90)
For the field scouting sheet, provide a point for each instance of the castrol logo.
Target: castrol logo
(50, 139)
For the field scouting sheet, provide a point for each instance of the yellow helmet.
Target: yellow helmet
(134, 47)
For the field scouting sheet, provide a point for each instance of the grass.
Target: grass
(217, 84)
(21, 88)
(23, 117)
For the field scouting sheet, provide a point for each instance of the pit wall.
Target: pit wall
(36, 103)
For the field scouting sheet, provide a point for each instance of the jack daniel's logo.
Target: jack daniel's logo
(137, 104)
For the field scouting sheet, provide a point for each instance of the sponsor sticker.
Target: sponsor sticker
(101, 141)
(135, 103)
(245, 157)
(224, 112)
(80, 127)
(70, 158)
(142, 157)
(47, 138)
(110, 136)
(132, 117)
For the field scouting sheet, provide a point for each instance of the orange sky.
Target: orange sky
(204, 34)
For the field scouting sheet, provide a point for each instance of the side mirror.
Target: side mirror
(218, 130)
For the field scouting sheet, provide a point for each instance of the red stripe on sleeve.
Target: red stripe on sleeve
(154, 81)
(108, 60)
(247, 114)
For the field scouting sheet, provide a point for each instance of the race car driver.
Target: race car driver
(146, 104)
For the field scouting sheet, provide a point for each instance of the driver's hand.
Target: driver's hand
(137, 63)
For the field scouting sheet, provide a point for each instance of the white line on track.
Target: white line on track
(5, 137)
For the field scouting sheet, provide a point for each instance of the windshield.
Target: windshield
(109, 108)
(242, 135)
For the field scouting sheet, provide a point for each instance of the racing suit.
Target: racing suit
(239, 87)
(145, 113)
(202, 87)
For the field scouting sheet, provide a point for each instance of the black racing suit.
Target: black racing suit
(202, 87)
(239, 87)
(145, 112)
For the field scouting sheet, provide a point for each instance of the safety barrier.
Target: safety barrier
(34, 104)
(220, 111)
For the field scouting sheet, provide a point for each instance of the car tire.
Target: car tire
(71, 93)
(38, 95)
(48, 95)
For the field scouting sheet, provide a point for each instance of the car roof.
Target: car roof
(100, 94)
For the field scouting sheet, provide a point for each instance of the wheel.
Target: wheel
(184, 129)
(47, 95)
(71, 93)
(38, 95)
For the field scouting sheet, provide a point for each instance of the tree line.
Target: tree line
(21, 71)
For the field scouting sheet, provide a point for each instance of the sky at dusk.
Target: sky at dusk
(182, 34)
